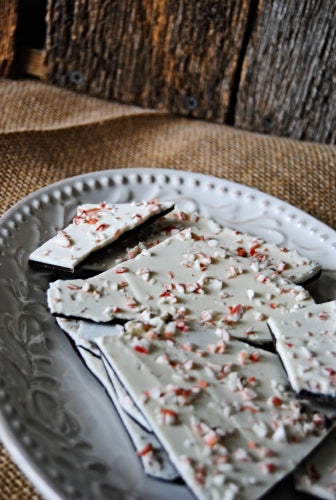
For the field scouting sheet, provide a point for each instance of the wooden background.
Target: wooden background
(265, 66)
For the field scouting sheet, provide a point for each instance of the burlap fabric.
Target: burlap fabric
(48, 134)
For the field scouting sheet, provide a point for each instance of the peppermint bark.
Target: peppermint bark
(94, 227)
(186, 276)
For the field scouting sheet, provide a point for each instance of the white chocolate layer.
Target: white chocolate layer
(224, 414)
(287, 263)
(306, 343)
(95, 226)
(186, 276)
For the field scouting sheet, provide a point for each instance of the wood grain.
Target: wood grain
(177, 56)
(8, 25)
(264, 66)
(288, 82)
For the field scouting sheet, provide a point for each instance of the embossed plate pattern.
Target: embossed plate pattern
(55, 419)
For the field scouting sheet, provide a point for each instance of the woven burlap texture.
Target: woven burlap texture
(52, 134)
(13, 486)
(48, 134)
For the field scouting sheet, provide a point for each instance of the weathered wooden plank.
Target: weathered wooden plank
(177, 56)
(32, 62)
(8, 25)
(264, 66)
(288, 82)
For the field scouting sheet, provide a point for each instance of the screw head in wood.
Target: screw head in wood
(191, 103)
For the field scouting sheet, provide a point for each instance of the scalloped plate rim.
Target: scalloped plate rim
(167, 171)
(10, 440)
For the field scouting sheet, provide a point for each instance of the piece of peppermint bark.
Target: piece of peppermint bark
(288, 263)
(95, 226)
(184, 276)
(306, 343)
(197, 400)
(84, 334)
(153, 457)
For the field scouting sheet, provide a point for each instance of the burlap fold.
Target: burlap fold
(48, 134)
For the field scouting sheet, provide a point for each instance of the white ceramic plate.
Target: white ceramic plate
(55, 419)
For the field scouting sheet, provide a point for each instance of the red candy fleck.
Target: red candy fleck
(168, 411)
(267, 467)
(241, 252)
(255, 356)
(253, 249)
(140, 349)
(169, 417)
(250, 407)
(91, 220)
(102, 227)
(120, 270)
(275, 401)
(180, 324)
(131, 302)
(88, 211)
(147, 449)
(211, 438)
(183, 216)
(236, 311)
(122, 284)
(71, 286)
(63, 239)
(251, 380)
